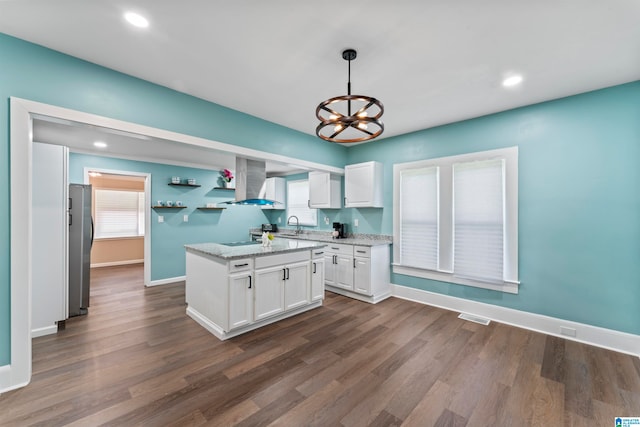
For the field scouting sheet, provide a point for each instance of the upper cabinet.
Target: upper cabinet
(274, 189)
(324, 190)
(363, 185)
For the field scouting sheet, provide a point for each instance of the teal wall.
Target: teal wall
(169, 237)
(579, 202)
(43, 75)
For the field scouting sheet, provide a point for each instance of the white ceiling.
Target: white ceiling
(430, 62)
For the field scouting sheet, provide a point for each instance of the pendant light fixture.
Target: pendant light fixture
(349, 118)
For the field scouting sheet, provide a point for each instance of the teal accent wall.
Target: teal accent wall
(579, 202)
(169, 237)
(39, 74)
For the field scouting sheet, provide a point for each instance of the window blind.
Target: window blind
(479, 218)
(298, 203)
(119, 213)
(419, 217)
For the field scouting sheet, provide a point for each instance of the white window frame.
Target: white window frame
(444, 272)
(140, 215)
(302, 206)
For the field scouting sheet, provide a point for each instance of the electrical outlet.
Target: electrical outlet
(326, 220)
(160, 218)
(185, 218)
(279, 220)
(355, 222)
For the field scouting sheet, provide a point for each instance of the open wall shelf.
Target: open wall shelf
(204, 208)
(183, 185)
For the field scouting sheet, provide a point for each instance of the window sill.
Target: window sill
(507, 287)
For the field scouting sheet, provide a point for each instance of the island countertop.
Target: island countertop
(278, 246)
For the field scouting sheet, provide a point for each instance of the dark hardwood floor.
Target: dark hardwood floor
(137, 359)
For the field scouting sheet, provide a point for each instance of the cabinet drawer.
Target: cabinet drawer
(338, 248)
(240, 265)
(363, 251)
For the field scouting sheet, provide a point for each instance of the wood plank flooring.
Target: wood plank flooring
(137, 359)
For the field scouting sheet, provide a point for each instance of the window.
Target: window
(119, 213)
(456, 219)
(298, 203)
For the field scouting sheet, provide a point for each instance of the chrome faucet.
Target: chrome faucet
(297, 223)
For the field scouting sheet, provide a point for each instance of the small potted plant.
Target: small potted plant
(226, 176)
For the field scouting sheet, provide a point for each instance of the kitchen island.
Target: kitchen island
(237, 287)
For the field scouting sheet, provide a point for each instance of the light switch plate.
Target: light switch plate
(185, 218)
(355, 222)
(160, 218)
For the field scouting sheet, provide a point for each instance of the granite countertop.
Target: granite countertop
(278, 246)
(319, 236)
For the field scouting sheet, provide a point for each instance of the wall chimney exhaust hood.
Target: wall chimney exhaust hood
(251, 176)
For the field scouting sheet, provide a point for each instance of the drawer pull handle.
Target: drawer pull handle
(318, 253)
(241, 265)
(362, 252)
(336, 249)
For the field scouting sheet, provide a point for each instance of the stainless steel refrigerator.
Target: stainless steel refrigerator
(80, 242)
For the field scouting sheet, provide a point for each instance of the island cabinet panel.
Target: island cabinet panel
(269, 292)
(240, 300)
(296, 285)
(207, 289)
(317, 274)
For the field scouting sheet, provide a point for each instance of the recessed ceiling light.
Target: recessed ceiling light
(136, 20)
(513, 80)
(100, 144)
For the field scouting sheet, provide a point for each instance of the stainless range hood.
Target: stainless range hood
(251, 176)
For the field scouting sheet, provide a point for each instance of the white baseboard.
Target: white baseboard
(167, 281)
(47, 330)
(7, 380)
(600, 337)
(114, 263)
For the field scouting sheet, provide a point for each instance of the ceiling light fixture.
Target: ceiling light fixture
(136, 20)
(100, 144)
(511, 81)
(349, 118)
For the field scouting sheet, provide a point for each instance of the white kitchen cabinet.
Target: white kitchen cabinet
(317, 275)
(274, 189)
(269, 292)
(360, 272)
(363, 185)
(296, 285)
(240, 300)
(282, 283)
(324, 190)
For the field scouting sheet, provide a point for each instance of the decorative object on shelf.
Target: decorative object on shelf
(348, 118)
(159, 203)
(169, 203)
(225, 177)
(179, 204)
(175, 180)
(191, 181)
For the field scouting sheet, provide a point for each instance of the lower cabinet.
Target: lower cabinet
(358, 271)
(317, 275)
(280, 287)
(240, 299)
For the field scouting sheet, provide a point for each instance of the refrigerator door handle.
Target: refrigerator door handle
(92, 231)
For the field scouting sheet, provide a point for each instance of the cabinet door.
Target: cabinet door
(344, 272)
(268, 292)
(362, 275)
(296, 285)
(329, 269)
(317, 279)
(319, 189)
(363, 185)
(240, 300)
